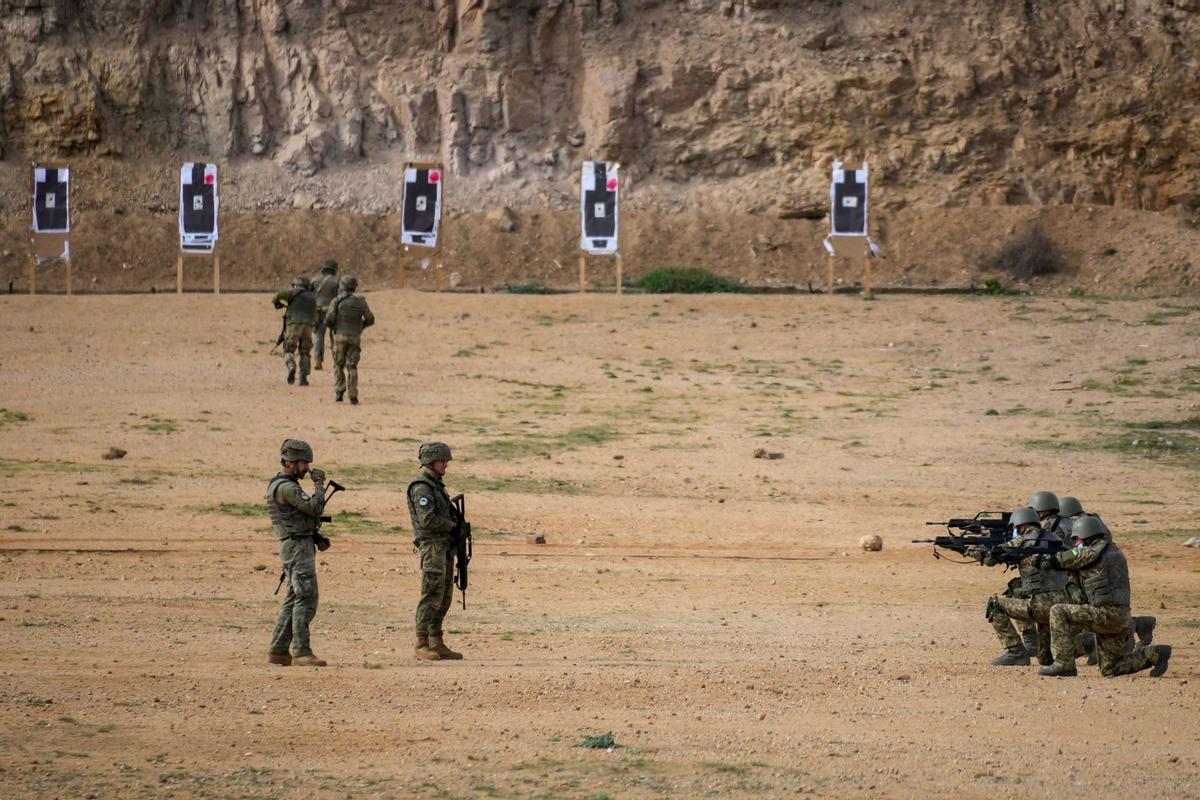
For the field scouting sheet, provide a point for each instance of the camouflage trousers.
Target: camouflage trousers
(319, 336)
(346, 351)
(299, 558)
(298, 337)
(437, 585)
(1035, 610)
(1110, 624)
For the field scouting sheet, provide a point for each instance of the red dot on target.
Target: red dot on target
(210, 178)
(612, 184)
(435, 176)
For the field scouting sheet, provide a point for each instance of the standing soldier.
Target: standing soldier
(348, 315)
(1103, 573)
(301, 316)
(434, 522)
(325, 287)
(296, 516)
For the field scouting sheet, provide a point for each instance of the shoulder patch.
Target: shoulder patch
(422, 501)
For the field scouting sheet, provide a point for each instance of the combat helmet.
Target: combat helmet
(1044, 501)
(302, 282)
(329, 266)
(433, 451)
(1023, 516)
(295, 450)
(348, 283)
(1069, 506)
(1087, 528)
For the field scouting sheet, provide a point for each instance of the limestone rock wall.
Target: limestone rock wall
(736, 104)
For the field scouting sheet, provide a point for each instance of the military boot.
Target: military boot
(1057, 670)
(337, 397)
(317, 365)
(304, 379)
(1015, 656)
(308, 661)
(353, 401)
(1030, 639)
(282, 659)
(422, 651)
(1088, 642)
(1045, 657)
(1143, 628)
(438, 646)
(1161, 653)
(291, 375)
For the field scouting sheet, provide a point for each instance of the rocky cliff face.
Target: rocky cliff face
(735, 104)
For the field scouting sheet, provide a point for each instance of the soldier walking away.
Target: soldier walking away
(298, 333)
(1103, 573)
(296, 516)
(434, 522)
(1031, 599)
(348, 315)
(325, 287)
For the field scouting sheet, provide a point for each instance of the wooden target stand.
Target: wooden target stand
(216, 267)
(620, 268)
(867, 258)
(433, 255)
(47, 249)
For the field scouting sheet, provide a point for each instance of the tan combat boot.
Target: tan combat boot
(282, 659)
(307, 661)
(422, 651)
(438, 646)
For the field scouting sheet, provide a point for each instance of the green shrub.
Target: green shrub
(687, 280)
(1027, 254)
(531, 287)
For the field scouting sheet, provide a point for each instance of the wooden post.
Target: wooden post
(620, 274)
(179, 273)
(829, 268)
(582, 273)
(70, 279)
(33, 276)
(437, 278)
(867, 274)
(216, 272)
(403, 265)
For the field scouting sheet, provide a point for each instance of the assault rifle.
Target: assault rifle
(991, 521)
(282, 333)
(461, 545)
(991, 548)
(322, 542)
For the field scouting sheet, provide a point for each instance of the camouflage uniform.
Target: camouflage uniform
(298, 335)
(348, 315)
(325, 287)
(295, 518)
(434, 521)
(1103, 575)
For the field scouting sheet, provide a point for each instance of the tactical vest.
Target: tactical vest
(1033, 580)
(326, 288)
(350, 310)
(1059, 526)
(441, 507)
(1106, 582)
(302, 308)
(289, 522)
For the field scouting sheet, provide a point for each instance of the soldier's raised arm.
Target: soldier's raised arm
(282, 297)
(292, 494)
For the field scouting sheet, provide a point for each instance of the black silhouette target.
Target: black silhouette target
(848, 195)
(51, 200)
(599, 207)
(422, 206)
(198, 207)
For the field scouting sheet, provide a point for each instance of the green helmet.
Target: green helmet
(302, 282)
(1023, 516)
(329, 266)
(348, 283)
(295, 450)
(433, 451)
(1069, 506)
(1087, 528)
(1044, 501)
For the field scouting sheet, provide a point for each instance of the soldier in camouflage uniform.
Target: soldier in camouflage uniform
(1103, 575)
(301, 316)
(295, 516)
(1032, 600)
(348, 315)
(325, 287)
(434, 522)
(1143, 627)
(1046, 505)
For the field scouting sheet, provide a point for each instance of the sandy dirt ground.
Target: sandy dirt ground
(710, 610)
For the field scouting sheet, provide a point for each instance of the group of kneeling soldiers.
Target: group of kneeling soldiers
(296, 518)
(314, 306)
(1073, 602)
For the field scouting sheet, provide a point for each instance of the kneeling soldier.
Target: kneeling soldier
(296, 516)
(434, 522)
(1103, 573)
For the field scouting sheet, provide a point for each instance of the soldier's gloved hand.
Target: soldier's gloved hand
(1047, 563)
(989, 558)
(278, 304)
(318, 475)
(322, 542)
